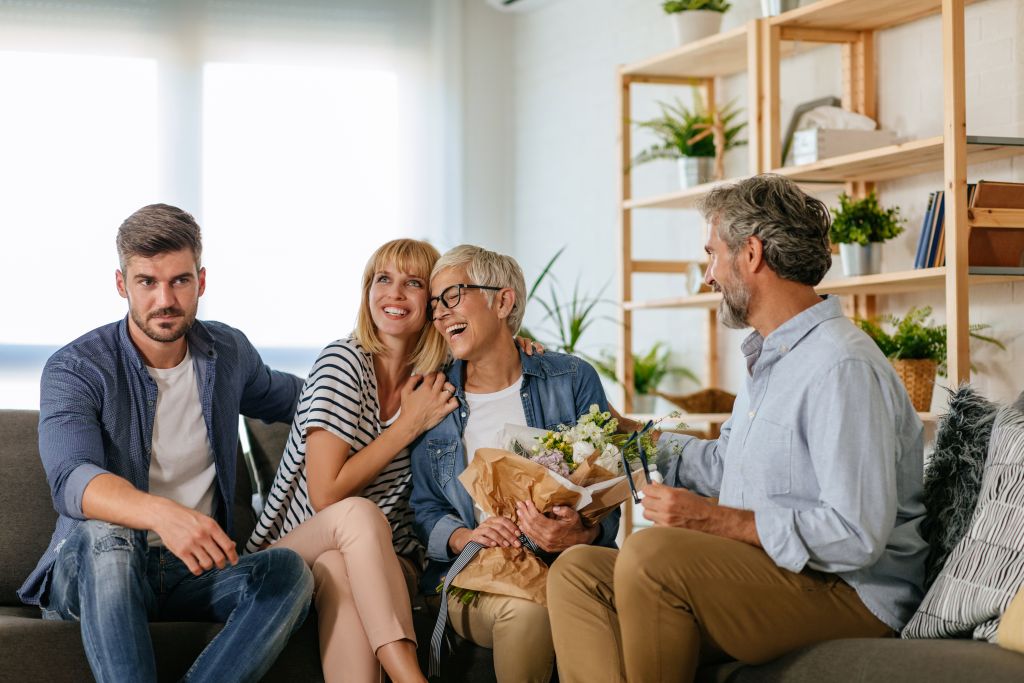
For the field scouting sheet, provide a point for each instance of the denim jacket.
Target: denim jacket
(557, 389)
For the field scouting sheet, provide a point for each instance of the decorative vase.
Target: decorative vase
(695, 24)
(772, 8)
(861, 259)
(643, 404)
(918, 376)
(695, 170)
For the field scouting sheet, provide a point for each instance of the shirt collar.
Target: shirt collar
(788, 334)
(200, 342)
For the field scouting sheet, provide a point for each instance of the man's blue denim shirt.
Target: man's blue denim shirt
(557, 389)
(98, 403)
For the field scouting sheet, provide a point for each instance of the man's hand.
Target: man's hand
(194, 538)
(562, 530)
(491, 533)
(678, 507)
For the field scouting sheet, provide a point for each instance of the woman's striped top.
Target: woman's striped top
(340, 395)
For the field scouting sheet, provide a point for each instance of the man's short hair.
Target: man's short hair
(158, 229)
(792, 226)
(492, 270)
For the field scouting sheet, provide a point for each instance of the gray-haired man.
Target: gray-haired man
(817, 475)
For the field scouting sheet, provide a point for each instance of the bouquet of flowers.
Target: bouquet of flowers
(592, 440)
(582, 466)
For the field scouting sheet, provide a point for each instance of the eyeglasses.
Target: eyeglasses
(451, 297)
(635, 438)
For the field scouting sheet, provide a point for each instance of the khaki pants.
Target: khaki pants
(674, 598)
(361, 595)
(516, 629)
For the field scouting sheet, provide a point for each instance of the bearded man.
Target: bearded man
(138, 433)
(800, 523)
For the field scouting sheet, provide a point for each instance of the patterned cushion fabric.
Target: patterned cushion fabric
(952, 476)
(986, 569)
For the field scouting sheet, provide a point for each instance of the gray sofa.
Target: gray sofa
(35, 650)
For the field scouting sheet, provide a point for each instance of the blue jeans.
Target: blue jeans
(107, 578)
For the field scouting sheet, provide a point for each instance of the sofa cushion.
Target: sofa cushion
(856, 660)
(986, 569)
(952, 476)
(176, 644)
(26, 509)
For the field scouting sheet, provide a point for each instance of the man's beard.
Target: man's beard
(161, 335)
(734, 309)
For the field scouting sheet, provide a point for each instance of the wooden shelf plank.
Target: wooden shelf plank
(722, 54)
(858, 15)
(883, 163)
(995, 218)
(883, 283)
(898, 161)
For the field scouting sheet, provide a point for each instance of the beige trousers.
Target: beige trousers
(673, 599)
(361, 597)
(516, 629)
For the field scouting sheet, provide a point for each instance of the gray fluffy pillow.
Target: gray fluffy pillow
(952, 477)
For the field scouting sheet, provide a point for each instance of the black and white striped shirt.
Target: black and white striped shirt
(340, 395)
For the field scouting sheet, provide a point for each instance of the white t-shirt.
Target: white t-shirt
(181, 465)
(488, 415)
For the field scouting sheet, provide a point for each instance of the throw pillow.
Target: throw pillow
(986, 569)
(952, 476)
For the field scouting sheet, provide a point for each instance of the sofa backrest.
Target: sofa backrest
(27, 516)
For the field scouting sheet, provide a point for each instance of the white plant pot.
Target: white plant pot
(695, 170)
(643, 404)
(695, 24)
(861, 260)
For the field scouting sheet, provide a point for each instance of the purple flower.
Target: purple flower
(554, 461)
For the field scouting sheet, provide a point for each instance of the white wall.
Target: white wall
(564, 162)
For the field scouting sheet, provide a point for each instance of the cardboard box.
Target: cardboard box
(815, 144)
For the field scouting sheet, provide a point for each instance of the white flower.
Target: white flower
(581, 450)
(609, 458)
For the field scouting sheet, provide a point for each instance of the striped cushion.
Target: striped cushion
(986, 569)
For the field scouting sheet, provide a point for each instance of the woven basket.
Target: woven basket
(703, 401)
(918, 376)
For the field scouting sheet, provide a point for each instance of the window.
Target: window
(301, 135)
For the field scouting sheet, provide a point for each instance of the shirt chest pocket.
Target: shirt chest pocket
(441, 453)
(769, 459)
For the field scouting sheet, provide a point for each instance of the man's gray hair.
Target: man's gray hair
(492, 270)
(158, 229)
(792, 226)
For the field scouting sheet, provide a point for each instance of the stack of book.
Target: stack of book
(993, 251)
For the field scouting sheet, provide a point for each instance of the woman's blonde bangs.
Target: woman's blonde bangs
(414, 257)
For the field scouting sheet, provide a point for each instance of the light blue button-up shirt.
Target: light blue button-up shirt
(825, 447)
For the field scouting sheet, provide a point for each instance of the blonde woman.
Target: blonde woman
(341, 494)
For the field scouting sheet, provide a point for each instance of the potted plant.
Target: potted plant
(917, 350)
(859, 226)
(695, 19)
(696, 137)
(649, 370)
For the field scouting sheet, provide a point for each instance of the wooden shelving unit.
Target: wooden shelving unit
(920, 280)
(759, 48)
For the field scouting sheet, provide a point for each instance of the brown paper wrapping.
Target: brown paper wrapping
(497, 480)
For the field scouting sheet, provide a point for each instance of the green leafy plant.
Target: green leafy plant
(649, 369)
(862, 221)
(678, 127)
(915, 337)
(676, 6)
(569, 316)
